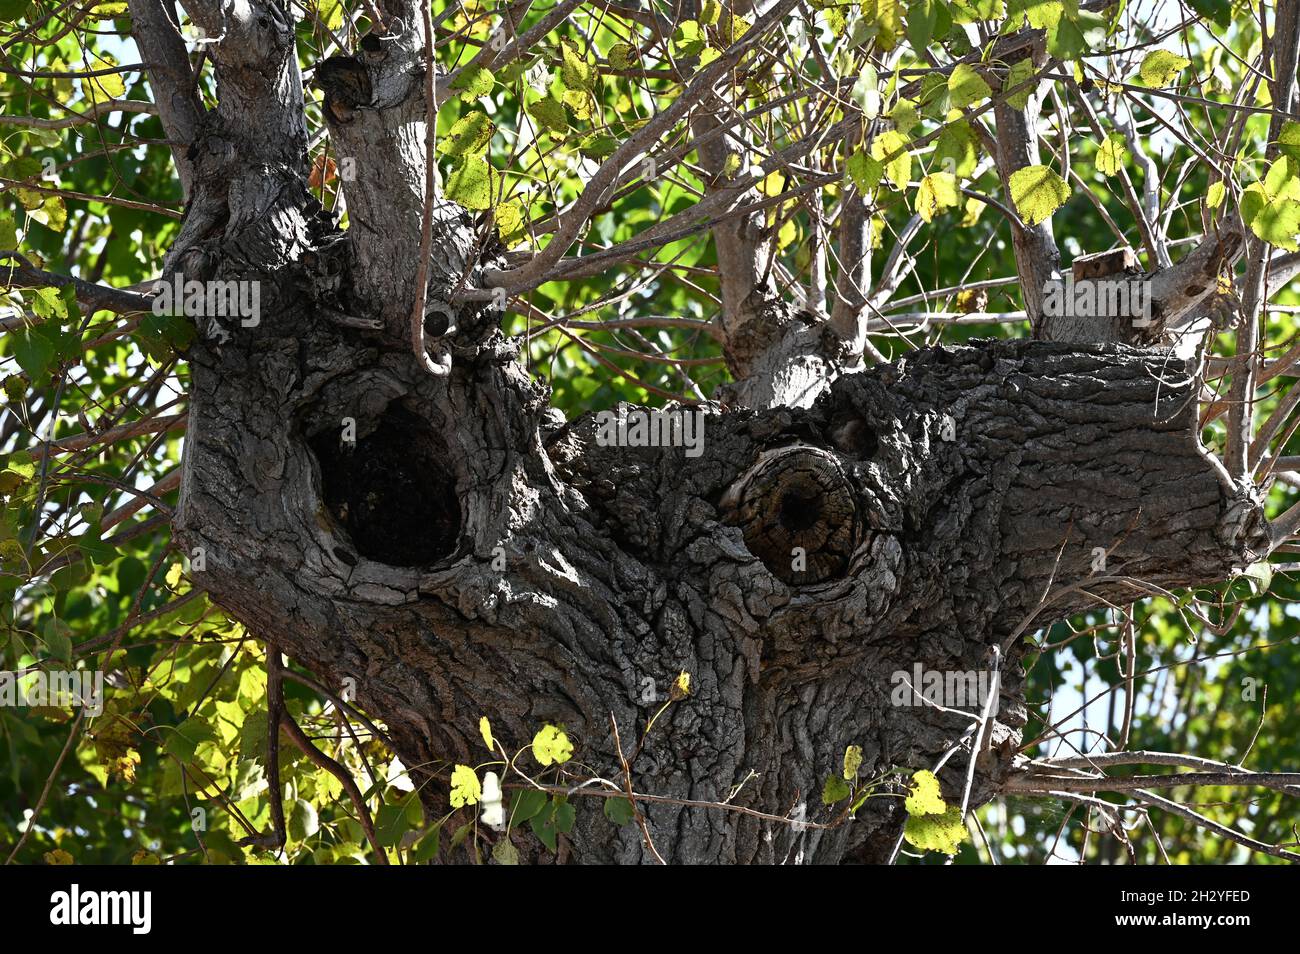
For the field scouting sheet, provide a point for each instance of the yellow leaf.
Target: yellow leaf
(852, 761)
(890, 147)
(485, 730)
(551, 745)
(106, 87)
(465, 789)
(925, 798)
(938, 191)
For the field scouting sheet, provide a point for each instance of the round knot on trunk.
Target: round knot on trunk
(798, 513)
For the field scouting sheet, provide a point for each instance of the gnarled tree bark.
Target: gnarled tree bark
(471, 553)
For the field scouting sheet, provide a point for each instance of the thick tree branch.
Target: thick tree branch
(171, 79)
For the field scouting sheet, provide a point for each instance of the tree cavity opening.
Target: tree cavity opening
(798, 513)
(390, 490)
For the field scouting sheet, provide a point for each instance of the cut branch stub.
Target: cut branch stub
(798, 513)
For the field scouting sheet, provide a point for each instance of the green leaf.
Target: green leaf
(972, 11)
(1037, 192)
(426, 849)
(1275, 220)
(835, 790)
(470, 184)
(161, 335)
(957, 149)
(619, 811)
(186, 737)
(1066, 42)
(1020, 72)
(546, 825)
(965, 86)
(468, 136)
(1219, 11)
(253, 736)
(921, 22)
(57, 637)
(528, 803)
(1159, 67)
(866, 92)
(565, 815)
(597, 146)
(1260, 576)
(473, 82)
(904, 115)
(33, 351)
(8, 233)
(864, 170)
(1288, 140)
(925, 798)
(302, 821)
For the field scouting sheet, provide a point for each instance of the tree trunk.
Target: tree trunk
(456, 549)
(468, 556)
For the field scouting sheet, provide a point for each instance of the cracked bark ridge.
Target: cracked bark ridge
(621, 570)
(469, 555)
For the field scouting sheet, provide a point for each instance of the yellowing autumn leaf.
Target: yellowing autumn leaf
(465, 789)
(887, 18)
(485, 730)
(102, 88)
(1037, 192)
(966, 87)
(925, 798)
(1111, 156)
(1159, 67)
(938, 191)
(551, 745)
(940, 832)
(852, 761)
(898, 169)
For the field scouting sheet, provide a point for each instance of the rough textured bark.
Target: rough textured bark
(621, 565)
(472, 553)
